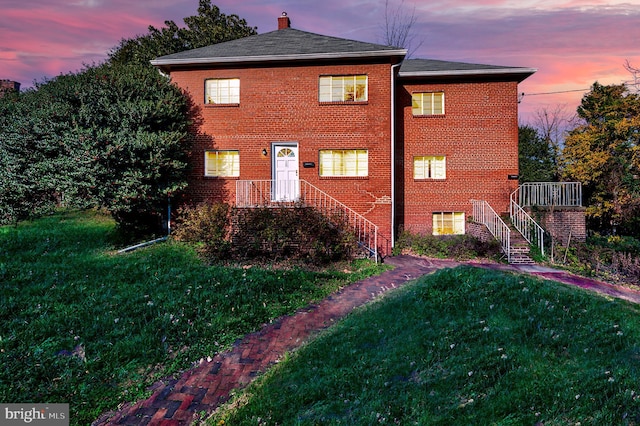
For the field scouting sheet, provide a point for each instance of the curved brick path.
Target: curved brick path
(177, 401)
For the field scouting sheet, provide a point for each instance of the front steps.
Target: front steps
(520, 248)
(520, 256)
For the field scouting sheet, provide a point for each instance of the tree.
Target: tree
(398, 28)
(536, 159)
(552, 126)
(634, 84)
(110, 136)
(115, 135)
(23, 138)
(603, 154)
(210, 26)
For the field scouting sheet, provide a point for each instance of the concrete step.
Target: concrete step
(520, 249)
(518, 259)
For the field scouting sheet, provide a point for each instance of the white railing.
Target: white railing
(483, 213)
(529, 228)
(547, 194)
(272, 193)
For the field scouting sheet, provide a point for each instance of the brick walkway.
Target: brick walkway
(177, 401)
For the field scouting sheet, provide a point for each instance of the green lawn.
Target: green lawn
(81, 324)
(464, 346)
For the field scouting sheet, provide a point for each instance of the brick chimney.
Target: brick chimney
(284, 21)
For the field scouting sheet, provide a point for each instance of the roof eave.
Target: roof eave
(276, 58)
(521, 72)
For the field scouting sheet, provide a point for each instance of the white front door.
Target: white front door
(286, 185)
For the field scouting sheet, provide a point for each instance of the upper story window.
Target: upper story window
(429, 103)
(222, 163)
(344, 162)
(430, 167)
(222, 91)
(345, 88)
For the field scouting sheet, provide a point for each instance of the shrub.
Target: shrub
(207, 225)
(298, 233)
(614, 258)
(446, 246)
(112, 137)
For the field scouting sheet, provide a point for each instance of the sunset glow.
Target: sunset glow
(572, 43)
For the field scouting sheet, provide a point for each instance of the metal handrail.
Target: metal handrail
(484, 214)
(529, 228)
(541, 194)
(274, 193)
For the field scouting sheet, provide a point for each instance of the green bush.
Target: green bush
(207, 225)
(112, 137)
(459, 247)
(296, 233)
(614, 258)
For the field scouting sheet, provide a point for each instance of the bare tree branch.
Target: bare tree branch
(398, 28)
(634, 84)
(553, 126)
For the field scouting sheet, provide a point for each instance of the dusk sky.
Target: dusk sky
(572, 43)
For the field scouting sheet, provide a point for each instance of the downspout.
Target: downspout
(393, 155)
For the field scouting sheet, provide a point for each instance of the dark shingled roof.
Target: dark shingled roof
(435, 68)
(287, 44)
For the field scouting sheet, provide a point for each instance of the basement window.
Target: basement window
(448, 223)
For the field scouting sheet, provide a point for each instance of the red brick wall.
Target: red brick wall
(563, 223)
(479, 137)
(280, 104)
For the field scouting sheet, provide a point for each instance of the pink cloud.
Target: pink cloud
(571, 42)
(62, 37)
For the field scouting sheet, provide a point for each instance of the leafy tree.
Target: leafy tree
(110, 136)
(114, 135)
(536, 159)
(23, 138)
(210, 26)
(603, 154)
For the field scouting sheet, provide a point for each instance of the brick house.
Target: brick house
(402, 143)
(9, 86)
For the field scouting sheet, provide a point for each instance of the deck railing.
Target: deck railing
(273, 193)
(547, 194)
(484, 214)
(541, 194)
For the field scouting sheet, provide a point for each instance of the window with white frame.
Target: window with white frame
(222, 163)
(346, 88)
(344, 162)
(430, 167)
(448, 223)
(428, 103)
(222, 91)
